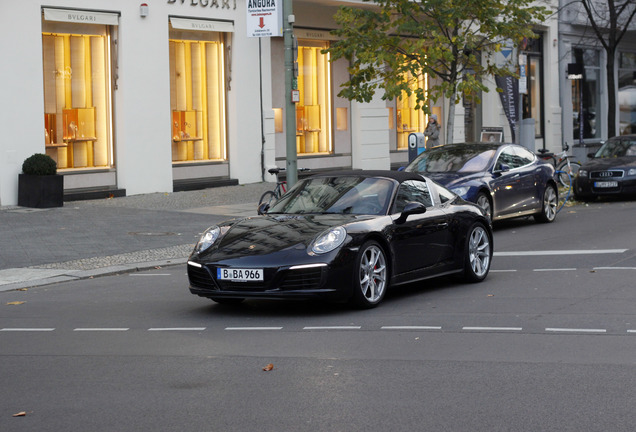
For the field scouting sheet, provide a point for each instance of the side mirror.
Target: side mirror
(410, 208)
(502, 168)
(262, 208)
(591, 155)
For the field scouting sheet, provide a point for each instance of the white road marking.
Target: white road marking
(253, 328)
(27, 329)
(503, 271)
(150, 274)
(333, 328)
(494, 328)
(614, 268)
(411, 328)
(554, 269)
(575, 330)
(631, 331)
(561, 252)
(177, 329)
(101, 329)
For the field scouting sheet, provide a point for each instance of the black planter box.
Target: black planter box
(40, 191)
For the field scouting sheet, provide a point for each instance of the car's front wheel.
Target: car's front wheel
(370, 276)
(549, 205)
(484, 202)
(478, 254)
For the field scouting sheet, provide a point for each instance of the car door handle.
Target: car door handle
(443, 225)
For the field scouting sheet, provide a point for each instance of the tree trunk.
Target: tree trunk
(450, 123)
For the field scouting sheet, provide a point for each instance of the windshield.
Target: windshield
(617, 148)
(345, 195)
(465, 159)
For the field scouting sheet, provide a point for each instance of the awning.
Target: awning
(201, 25)
(81, 16)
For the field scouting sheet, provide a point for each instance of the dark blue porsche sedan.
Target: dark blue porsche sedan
(506, 180)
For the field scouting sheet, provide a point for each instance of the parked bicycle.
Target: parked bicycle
(566, 169)
(272, 196)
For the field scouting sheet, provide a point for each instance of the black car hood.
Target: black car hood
(275, 233)
(609, 163)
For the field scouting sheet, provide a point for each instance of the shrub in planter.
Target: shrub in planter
(39, 164)
(40, 186)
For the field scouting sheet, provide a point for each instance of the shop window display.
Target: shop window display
(77, 95)
(197, 96)
(410, 119)
(313, 112)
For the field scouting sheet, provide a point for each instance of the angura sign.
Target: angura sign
(264, 18)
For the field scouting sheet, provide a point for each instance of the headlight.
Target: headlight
(632, 171)
(329, 240)
(461, 191)
(208, 238)
(582, 173)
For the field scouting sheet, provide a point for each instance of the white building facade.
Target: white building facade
(133, 98)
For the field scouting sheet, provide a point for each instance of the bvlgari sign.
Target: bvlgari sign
(264, 18)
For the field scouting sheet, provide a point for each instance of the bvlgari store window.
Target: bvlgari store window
(197, 89)
(410, 119)
(313, 112)
(77, 87)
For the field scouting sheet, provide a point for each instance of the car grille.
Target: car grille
(201, 278)
(606, 175)
(288, 280)
(307, 279)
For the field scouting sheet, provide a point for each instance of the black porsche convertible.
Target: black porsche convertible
(345, 236)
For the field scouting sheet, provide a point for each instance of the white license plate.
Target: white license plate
(605, 184)
(238, 274)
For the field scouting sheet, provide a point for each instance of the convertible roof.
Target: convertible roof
(400, 176)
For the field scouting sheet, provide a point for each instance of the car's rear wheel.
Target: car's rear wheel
(478, 254)
(370, 276)
(484, 202)
(549, 205)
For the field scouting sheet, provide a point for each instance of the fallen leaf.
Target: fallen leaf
(20, 414)
(15, 303)
(22, 289)
(158, 267)
(491, 295)
(268, 368)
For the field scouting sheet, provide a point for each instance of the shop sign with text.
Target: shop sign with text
(264, 18)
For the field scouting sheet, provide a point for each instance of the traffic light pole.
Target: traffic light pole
(290, 106)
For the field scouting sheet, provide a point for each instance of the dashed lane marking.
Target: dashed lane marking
(411, 327)
(575, 330)
(96, 329)
(27, 329)
(493, 328)
(332, 328)
(177, 329)
(252, 328)
(554, 269)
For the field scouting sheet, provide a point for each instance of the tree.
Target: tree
(453, 41)
(610, 20)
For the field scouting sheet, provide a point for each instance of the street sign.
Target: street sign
(264, 18)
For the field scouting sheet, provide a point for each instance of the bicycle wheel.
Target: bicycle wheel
(567, 173)
(268, 197)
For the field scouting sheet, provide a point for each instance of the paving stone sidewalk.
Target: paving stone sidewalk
(96, 237)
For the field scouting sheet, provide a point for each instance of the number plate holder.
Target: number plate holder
(605, 184)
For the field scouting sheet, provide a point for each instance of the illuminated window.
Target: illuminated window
(409, 119)
(586, 94)
(77, 107)
(313, 112)
(197, 96)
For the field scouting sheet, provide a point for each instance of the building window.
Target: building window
(627, 93)
(77, 94)
(197, 96)
(410, 119)
(586, 94)
(313, 112)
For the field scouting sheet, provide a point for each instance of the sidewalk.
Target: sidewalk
(91, 238)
